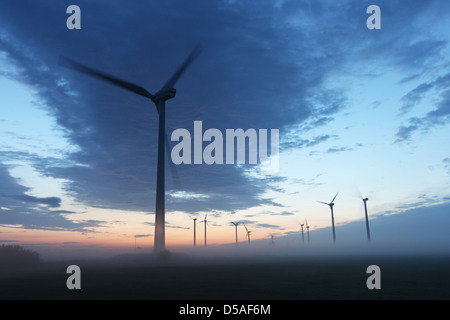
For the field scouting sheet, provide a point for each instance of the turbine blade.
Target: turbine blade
(323, 203)
(68, 63)
(245, 227)
(171, 82)
(334, 198)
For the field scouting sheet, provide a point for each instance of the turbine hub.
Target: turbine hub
(165, 94)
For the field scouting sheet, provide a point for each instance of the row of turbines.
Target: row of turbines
(205, 221)
(248, 232)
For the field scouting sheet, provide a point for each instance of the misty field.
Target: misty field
(344, 277)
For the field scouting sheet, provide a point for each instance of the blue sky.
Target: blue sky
(360, 112)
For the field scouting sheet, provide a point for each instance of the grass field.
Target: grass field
(338, 277)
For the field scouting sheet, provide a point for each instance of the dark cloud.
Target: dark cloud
(30, 212)
(52, 202)
(262, 67)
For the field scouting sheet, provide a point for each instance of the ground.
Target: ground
(293, 278)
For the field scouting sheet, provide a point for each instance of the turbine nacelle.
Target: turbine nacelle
(165, 94)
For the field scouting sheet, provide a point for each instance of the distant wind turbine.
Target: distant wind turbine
(159, 99)
(205, 222)
(367, 218)
(272, 235)
(307, 228)
(235, 226)
(303, 238)
(331, 204)
(248, 233)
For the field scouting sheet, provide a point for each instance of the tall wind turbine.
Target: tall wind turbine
(159, 99)
(331, 204)
(235, 226)
(195, 237)
(248, 233)
(367, 218)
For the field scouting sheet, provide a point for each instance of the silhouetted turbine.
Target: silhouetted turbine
(248, 233)
(303, 238)
(331, 204)
(195, 220)
(159, 99)
(367, 218)
(235, 226)
(205, 222)
(307, 228)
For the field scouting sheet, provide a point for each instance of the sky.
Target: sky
(361, 112)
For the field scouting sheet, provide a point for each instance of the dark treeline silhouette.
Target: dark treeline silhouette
(15, 255)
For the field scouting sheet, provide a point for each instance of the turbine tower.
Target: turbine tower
(159, 99)
(205, 222)
(367, 218)
(331, 204)
(235, 226)
(303, 238)
(307, 228)
(195, 220)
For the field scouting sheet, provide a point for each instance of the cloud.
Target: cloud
(440, 115)
(262, 67)
(284, 213)
(31, 212)
(142, 235)
(52, 202)
(244, 71)
(414, 96)
(338, 149)
(446, 162)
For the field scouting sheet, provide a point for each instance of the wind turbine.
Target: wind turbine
(159, 99)
(235, 226)
(331, 204)
(367, 218)
(205, 222)
(195, 222)
(307, 228)
(272, 242)
(303, 238)
(248, 233)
